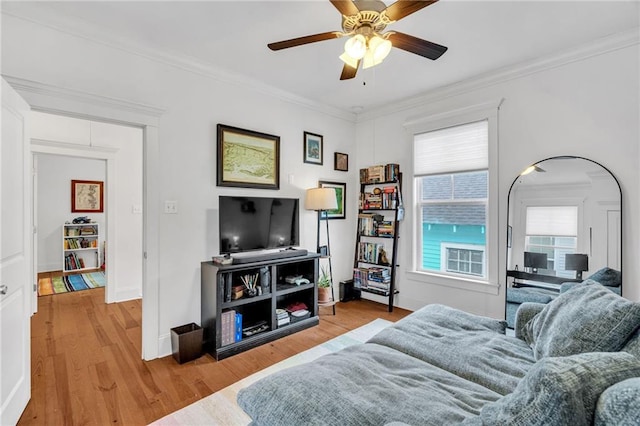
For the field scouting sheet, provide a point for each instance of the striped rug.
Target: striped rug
(67, 283)
(221, 409)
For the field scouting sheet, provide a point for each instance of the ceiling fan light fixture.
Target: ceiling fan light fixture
(347, 59)
(379, 49)
(356, 46)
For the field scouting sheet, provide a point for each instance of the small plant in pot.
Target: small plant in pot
(324, 287)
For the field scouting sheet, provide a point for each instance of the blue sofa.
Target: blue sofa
(610, 278)
(575, 360)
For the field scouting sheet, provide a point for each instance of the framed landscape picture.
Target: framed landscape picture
(247, 159)
(341, 190)
(87, 196)
(312, 148)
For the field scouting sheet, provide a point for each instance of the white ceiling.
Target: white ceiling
(230, 37)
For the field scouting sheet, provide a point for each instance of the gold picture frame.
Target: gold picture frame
(247, 159)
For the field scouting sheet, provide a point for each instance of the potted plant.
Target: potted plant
(324, 287)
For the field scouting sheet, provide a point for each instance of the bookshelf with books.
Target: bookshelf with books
(379, 213)
(246, 305)
(80, 247)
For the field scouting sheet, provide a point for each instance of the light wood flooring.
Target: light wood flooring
(87, 368)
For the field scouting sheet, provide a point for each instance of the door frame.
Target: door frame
(93, 153)
(73, 103)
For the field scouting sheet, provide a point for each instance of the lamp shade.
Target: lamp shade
(321, 199)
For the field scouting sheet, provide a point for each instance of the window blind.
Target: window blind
(552, 220)
(453, 149)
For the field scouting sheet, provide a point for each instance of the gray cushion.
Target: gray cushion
(633, 345)
(530, 294)
(524, 314)
(587, 318)
(607, 276)
(619, 405)
(560, 390)
(469, 346)
(364, 384)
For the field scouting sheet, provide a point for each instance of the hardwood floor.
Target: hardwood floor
(87, 368)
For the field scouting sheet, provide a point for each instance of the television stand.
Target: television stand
(251, 257)
(259, 315)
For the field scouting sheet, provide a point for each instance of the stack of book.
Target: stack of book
(384, 228)
(231, 327)
(380, 173)
(282, 317)
(375, 279)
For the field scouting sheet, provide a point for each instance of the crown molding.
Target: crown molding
(186, 63)
(27, 86)
(594, 48)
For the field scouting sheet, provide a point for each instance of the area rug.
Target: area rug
(221, 407)
(64, 284)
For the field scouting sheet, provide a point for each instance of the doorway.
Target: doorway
(69, 247)
(68, 150)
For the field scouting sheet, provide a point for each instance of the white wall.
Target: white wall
(195, 102)
(54, 175)
(587, 108)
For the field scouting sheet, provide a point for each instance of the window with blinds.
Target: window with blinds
(451, 178)
(552, 230)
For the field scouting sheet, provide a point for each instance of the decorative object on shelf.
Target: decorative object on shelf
(87, 196)
(247, 158)
(321, 200)
(341, 161)
(312, 148)
(340, 188)
(325, 293)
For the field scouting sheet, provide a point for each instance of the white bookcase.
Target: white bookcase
(80, 247)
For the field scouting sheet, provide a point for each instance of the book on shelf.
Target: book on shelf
(228, 324)
(238, 327)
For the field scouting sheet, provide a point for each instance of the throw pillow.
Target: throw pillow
(607, 276)
(618, 405)
(560, 390)
(587, 318)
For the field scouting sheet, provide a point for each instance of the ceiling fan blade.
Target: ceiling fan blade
(416, 45)
(349, 72)
(346, 7)
(304, 40)
(402, 8)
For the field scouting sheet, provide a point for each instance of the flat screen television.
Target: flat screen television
(258, 223)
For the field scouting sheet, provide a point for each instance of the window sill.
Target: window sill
(454, 282)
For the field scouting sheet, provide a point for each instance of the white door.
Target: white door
(15, 252)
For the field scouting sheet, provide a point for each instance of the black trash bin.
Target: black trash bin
(186, 342)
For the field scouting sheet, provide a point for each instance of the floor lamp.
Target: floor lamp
(321, 200)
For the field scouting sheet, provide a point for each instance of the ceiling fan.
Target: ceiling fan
(363, 21)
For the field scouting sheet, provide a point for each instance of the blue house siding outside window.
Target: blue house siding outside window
(454, 222)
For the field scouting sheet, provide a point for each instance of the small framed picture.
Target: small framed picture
(312, 148)
(341, 192)
(341, 161)
(87, 196)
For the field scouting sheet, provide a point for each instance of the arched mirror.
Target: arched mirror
(564, 225)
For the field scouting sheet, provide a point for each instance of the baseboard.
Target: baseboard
(164, 345)
(130, 294)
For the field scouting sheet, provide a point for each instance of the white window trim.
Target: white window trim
(485, 111)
